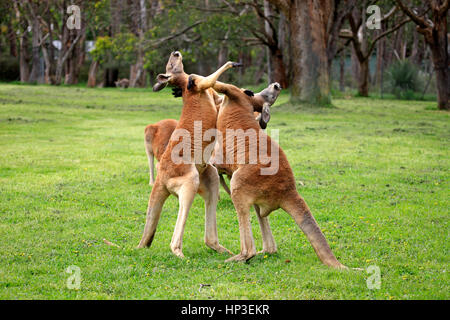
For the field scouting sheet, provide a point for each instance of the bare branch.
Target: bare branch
(444, 7)
(266, 19)
(346, 34)
(161, 40)
(72, 45)
(381, 35)
(414, 17)
(389, 14)
(217, 9)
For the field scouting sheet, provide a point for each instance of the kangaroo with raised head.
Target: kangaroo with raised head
(185, 180)
(258, 183)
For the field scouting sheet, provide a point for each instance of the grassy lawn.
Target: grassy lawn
(73, 171)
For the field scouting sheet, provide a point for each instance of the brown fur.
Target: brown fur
(123, 83)
(269, 192)
(157, 136)
(185, 180)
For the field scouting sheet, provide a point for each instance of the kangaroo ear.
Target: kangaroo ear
(162, 81)
(265, 116)
(191, 82)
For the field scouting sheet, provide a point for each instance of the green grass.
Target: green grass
(73, 171)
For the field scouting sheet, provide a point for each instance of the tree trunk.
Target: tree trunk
(137, 72)
(342, 71)
(111, 76)
(35, 58)
(277, 71)
(417, 51)
(439, 56)
(92, 75)
(310, 79)
(76, 57)
(380, 61)
(281, 45)
(363, 79)
(137, 75)
(435, 34)
(23, 58)
(269, 51)
(12, 40)
(355, 67)
(47, 63)
(260, 71)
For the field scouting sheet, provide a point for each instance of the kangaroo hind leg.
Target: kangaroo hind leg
(157, 198)
(209, 190)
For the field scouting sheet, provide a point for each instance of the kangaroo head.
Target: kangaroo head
(262, 101)
(174, 70)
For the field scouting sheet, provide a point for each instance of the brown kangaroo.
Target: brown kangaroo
(257, 183)
(124, 83)
(185, 180)
(157, 135)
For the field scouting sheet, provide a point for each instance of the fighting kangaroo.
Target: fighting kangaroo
(157, 135)
(257, 183)
(261, 111)
(186, 179)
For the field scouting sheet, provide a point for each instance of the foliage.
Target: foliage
(117, 50)
(403, 79)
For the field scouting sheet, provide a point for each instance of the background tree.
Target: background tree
(316, 47)
(431, 21)
(362, 44)
(308, 24)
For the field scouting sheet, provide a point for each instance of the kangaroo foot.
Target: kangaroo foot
(240, 257)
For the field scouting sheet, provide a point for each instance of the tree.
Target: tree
(362, 44)
(433, 26)
(23, 43)
(272, 34)
(70, 39)
(257, 23)
(340, 11)
(308, 24)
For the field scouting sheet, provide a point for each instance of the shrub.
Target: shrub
(403, 79)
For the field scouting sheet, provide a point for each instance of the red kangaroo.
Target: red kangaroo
(251, 185)
(181, 179)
